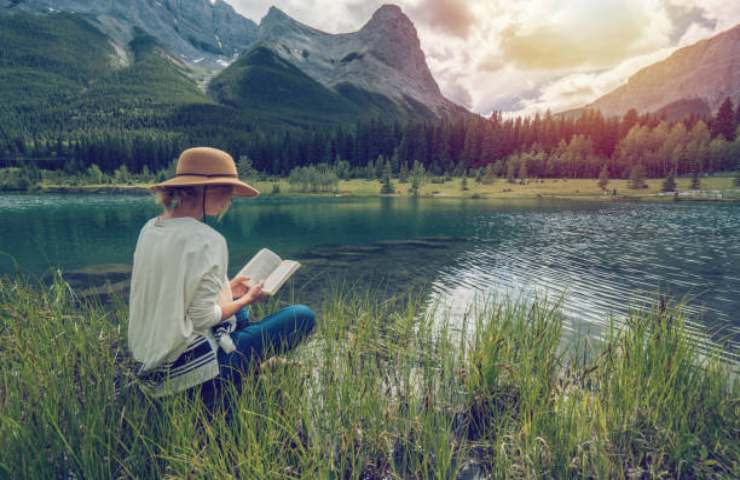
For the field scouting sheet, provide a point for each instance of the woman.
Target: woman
(183, 329)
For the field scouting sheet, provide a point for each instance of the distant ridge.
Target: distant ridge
(707, 71)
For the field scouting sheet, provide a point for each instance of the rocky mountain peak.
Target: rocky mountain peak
(277, 23)
(274, 14)
(384, 56)
(388, 16)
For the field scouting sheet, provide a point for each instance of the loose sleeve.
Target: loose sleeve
(204, 310)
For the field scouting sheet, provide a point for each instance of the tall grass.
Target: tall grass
(380, 391)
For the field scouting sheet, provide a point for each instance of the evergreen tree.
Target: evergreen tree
(370, 170)
(498, 168)
(403, 174)
(523, 171)
(395, 161)
(387, 187)
(724, 122)
(94, 174)
(510, 171)
(489, 177)
(464, 181)
(122, 174)
(245, 168)
(417, 178)
(695, 180)
(604, 177)
(342, 168)
(737, 174)
(379, 166)
(669, 184)
(637, 177)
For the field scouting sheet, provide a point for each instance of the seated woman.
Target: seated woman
(183, 329)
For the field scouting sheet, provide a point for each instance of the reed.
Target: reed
(382, 390)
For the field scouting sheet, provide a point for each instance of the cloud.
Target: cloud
(451, 16)
(580, 89)
(586, 34)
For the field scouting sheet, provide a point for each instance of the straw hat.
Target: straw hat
(207, 166)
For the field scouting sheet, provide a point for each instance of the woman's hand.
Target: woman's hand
(254, 294)
(239, 285)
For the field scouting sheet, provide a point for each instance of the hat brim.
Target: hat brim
(241, 189)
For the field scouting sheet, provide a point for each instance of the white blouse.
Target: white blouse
(179, 276)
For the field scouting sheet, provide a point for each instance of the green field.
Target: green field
(501, 189)
(532, 189)
(377, 392)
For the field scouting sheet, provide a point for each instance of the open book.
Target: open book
(267, 266)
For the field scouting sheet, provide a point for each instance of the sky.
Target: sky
(528, 56)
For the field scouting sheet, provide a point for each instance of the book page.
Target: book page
(278, 277)
(261, 266)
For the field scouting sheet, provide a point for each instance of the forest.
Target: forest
(552, 146)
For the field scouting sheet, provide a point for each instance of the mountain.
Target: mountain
(693, 79)
(208, 33)
(76, 65)
(298, 70)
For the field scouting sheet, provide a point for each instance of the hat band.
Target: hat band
(233, 175)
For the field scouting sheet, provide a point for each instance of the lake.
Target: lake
(602, 256)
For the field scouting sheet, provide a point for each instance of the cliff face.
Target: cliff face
(708, 70)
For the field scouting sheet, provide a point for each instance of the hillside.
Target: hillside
(299, 71)
(707, 71)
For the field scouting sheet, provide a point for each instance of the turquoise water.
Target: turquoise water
(603, 256)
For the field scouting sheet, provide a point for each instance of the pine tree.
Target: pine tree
(464, 181)
(245, 168)
(370, 170)
(637, 177)
(95, 174)
(695, 180)
(489, 177)
(669, 184)
(417, 178)
(395, 161)
(510, 171)
(379, 165)
(478, 175)
(604, 177)
(523, 171)
(724, 122)
(403, 176)
(387, 187)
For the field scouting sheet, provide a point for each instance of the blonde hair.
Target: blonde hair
(170, 197)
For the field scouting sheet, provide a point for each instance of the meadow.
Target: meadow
(383, 389)
(449, 187)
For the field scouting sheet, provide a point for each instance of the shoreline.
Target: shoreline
(536, 190)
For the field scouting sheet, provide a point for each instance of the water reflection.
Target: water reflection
(601, 256)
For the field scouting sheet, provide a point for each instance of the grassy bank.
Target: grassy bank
(376, 395)
(501, 189)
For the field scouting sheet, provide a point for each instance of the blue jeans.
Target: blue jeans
(276, 333)
(255, 341)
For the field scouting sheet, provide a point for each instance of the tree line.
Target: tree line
(542, 146)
